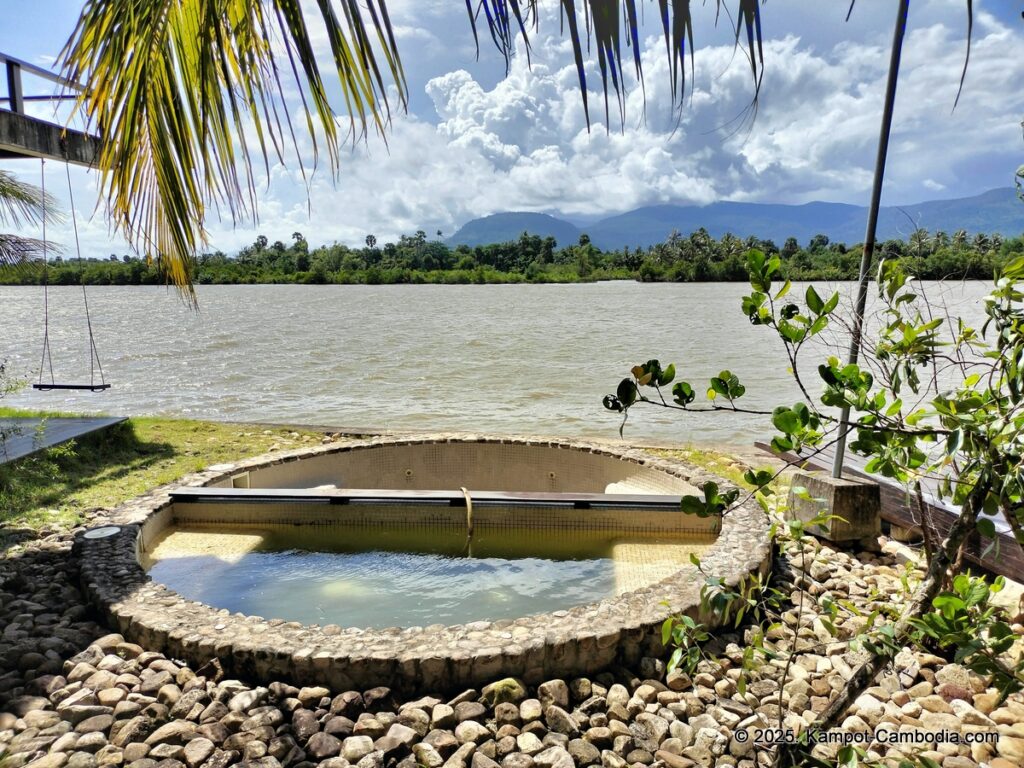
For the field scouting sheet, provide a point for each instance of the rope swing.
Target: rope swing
(97, 381)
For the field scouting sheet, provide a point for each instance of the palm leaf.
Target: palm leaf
(188, 92)
(16, 251)
(603, 24)
(24, 205)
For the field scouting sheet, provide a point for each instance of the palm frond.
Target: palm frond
(178, 87)
(20, 252)
(23, 204)
(603, 24)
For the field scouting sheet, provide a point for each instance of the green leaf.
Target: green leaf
(626, 392)
(986, 527)
(683, 393)
(691, 505)
(814, 302)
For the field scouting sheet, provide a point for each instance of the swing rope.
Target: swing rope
(47, 361)
(94, 356)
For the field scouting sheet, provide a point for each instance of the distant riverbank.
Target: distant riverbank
(697, 258)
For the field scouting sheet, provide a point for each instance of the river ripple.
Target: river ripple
(495, 358)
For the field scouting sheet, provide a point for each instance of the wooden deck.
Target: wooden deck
(27, 436)
(1004, 556)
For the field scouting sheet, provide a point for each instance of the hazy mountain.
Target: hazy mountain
(502, 227)
(995, 211)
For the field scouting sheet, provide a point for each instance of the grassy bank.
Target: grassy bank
(56, 487)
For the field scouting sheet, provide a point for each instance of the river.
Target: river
(491, 358)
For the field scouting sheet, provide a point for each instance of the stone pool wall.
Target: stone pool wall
(578, 641)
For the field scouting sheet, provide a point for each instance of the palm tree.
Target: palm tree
(22, 205)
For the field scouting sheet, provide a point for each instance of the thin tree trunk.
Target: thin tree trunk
(868, 665)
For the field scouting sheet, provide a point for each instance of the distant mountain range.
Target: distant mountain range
(996, 211)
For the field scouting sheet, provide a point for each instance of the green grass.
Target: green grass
(722, 464)
(55, 488)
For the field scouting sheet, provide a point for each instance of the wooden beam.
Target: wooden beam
(23, 136)
(1003, 556)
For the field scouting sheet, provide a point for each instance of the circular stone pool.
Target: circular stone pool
(428, 562)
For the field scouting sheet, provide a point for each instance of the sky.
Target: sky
(477, 140)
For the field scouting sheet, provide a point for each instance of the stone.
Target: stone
(377, 699)
(349, 704)
(135, 751)
(443, 741)
(678, 680)
(529, 744)
(427, 756)
(583, 752)
(311, 696)
(354, 748)
(95, 724)
(471, 731)
(403, 734)
(553, 693)
(90, 742)
(304, 724)
(517, 760)
(246, 700)
(469, 710)
(443, 716)
(969, 715)
(460, 757)
(322, 746)
(135, 729)
(480, 760)
(174, 732)
(52, 760)
(855, 502)
(554, 757)
(338, 726)
(641, 756)
(673, 760)
(506, 713)
(560, 721)
(197, 750)
(1012, 748)
(167, 752)
(868, 708)
(510, 690)
(530, 710)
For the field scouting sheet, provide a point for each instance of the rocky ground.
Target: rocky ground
(73, 696)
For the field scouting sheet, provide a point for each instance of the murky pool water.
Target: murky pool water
(376, 577)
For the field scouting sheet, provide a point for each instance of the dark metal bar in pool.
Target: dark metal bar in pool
(454, 498)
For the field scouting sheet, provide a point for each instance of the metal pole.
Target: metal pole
(876, 197)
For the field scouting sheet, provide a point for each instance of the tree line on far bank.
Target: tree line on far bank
(698, 257)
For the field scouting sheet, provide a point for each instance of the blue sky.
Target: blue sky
(477, 141)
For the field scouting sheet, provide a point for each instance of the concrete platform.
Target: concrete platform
(29, 435)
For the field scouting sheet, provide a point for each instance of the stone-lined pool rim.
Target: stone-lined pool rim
(578, 641)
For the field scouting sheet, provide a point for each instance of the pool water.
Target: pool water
(371, 576)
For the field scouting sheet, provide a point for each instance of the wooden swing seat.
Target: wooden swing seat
(90, 387)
